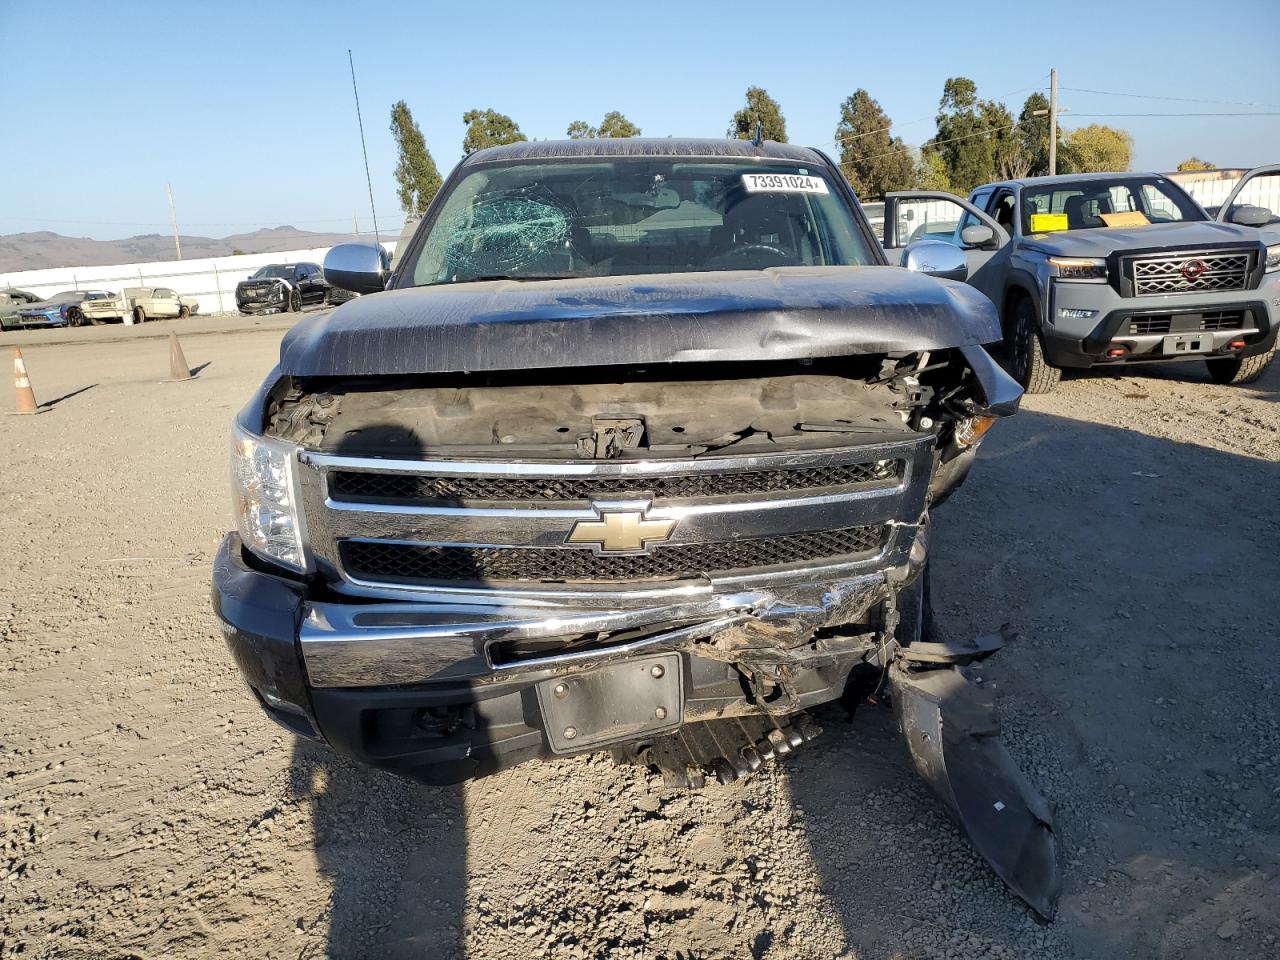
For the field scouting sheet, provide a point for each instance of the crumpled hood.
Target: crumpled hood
(780, 313)
(1101, 241)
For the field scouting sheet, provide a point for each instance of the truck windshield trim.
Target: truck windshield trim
(601, 217)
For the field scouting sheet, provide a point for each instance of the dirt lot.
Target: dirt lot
(1126, 527)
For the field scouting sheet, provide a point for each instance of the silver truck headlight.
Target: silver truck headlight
(1087, 269)
(262, 485)
(1273, 257)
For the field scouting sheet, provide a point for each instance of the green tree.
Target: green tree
(616, 126)
(416, 174)
(873, 161)
(1097, 148)
(613, 126)
(975, 137)
(1033, 136)
(488, 128)
(763, 109)
(931, 172)
(1195, 163)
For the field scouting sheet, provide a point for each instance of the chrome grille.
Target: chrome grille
(1171, 274)
(357, 487)
(425, 564)
(383, 526)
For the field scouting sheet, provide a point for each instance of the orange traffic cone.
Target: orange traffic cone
(26, 399)
(178, 369)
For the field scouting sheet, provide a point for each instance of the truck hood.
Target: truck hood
(779, 313)
(1101, 241)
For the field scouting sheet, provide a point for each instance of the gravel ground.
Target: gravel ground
(1126, 528)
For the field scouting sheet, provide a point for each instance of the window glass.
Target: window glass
(636, 216)
(1084, 202)
(1261, 191)
(921, 219)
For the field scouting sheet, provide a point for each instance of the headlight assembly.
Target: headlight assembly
(262, 485)
(1273, 257)
(1086, 269)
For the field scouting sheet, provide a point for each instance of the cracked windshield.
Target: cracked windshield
(528, 221)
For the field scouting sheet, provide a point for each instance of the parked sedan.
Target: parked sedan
(61, 310)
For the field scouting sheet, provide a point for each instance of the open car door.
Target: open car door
(913, 215)
(1257, 193)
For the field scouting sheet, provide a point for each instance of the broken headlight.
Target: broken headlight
(263, 494)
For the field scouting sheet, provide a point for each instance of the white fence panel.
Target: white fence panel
(211, 280)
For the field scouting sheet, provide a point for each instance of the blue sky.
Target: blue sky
(246, 108)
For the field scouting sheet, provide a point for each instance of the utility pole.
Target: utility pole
(173, 218)
(1053, 121)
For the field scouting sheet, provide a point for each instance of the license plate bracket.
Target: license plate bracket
(1188, 343)
(621, 701)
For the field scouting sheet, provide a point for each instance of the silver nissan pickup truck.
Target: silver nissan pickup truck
(634, 450)
(1106, 269)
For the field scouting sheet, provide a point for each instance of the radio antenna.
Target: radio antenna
(360, 120)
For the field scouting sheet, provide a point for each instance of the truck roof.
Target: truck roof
(645, 147)
(1064, 178)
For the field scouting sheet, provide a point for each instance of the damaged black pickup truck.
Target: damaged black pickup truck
(634, 450)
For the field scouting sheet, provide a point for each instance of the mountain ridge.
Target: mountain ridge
(41, 249)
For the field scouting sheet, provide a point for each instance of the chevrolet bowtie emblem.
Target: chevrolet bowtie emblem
(620, 531)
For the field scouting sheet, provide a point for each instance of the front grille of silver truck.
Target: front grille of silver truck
(1191, 273)
(379, 527)
(1207, 322)
(412, 563)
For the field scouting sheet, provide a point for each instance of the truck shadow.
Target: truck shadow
(1138, 573)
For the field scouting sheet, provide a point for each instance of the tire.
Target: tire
(139, 315)
(75, 317)
(294, 303)
(1027, 364)
(1239, 370)
(183, 312)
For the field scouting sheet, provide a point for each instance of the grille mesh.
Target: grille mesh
(1224, 271)
(1158, 323)
(354, 486)
(423, 563)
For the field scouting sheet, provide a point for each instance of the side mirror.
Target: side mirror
(1250, 216)
(357, 267)
(937, 259)
(977, 235)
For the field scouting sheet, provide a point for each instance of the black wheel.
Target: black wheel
(295, 301)
(1238, 370)
(139, 315)
(183, 312)
(75, 317)
(1027, 364)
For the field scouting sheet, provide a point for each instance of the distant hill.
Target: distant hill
(34, 251)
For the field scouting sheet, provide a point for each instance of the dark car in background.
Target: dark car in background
(283, 287)
(60, 310)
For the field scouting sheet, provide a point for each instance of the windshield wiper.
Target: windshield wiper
(521, 277)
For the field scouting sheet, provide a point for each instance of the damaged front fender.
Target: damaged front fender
(954, 737)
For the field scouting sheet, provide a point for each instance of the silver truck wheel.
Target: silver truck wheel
(1026, 353)
(1239, 370)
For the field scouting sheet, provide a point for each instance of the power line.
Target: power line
(1275, 113)
(1152, 96)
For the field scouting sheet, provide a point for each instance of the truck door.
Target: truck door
(1257, 191)
(911, 215)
